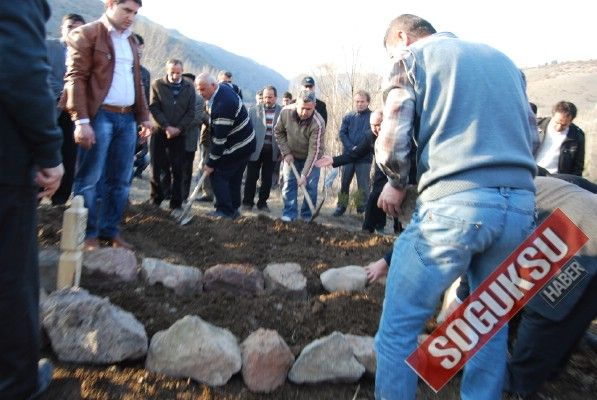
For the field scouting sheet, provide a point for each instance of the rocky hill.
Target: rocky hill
(162, 44)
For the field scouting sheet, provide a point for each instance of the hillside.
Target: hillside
(162, 44)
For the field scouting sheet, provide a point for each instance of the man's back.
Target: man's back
(472, 103)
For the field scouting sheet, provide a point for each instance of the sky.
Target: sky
(295, 37)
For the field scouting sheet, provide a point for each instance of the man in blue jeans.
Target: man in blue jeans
(475, 172)
(299, 133)
(105, 99)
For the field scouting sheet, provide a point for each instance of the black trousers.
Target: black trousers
(187, 173)
(543, 346)
(69, 159)
(19, 293)
(167, 158)
(265, 165)
(375, 217)
(226, 180)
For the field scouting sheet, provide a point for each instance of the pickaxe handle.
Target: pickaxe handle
(304, 189)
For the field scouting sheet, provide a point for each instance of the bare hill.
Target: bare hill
(162, 44)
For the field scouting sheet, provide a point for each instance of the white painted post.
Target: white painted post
(74, 223)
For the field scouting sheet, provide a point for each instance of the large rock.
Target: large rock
(351, 278)
(182, 279)
(116, 261)
(328, 359)
(237, 279)
(363, 348)
(197, 349)
(286, 279)
(266, 360)
(87, 328)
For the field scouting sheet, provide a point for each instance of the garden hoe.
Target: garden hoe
(186, 216)
(314, 211)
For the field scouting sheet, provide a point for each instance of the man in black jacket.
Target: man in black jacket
(30, 144)
(172, 108)
(562, 148)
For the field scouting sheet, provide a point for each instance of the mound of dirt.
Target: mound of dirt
(256, 240)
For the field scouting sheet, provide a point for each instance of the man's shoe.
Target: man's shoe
(263, 208)
(286, 219)
(205, 198)
(247, 207)
(91, 244)
(44, 377)
(360, 210)
(118, 241)
(339, 212)
(176, 213)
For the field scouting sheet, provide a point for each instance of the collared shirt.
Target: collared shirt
(392, 147)
(122, 90)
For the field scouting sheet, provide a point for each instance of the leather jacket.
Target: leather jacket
(572, 150)
(90, 69)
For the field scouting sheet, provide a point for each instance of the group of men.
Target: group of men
(471, 209)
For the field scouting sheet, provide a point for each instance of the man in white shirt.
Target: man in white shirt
(562, 148)
(105, 116)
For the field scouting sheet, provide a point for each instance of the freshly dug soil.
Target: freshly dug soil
(257, 241)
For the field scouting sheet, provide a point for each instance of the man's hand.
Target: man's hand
(324, 161)
(84, 136)
(172, 132)
(207, 170)
(391, 199)
(48, 179)
(289, 158)
(376, 270)
(302, 181)
(145, 131)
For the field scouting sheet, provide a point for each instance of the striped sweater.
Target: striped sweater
(232, 133)
(301, 138)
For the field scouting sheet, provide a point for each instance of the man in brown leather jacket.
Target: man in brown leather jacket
(104, 97)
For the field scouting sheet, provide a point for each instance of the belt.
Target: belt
(118, 109)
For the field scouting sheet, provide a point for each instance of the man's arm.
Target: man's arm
(347, 144)
(155, 106)
(79, 64)
(579, 161)
(281, 134)
(222, 120)
(24, 71)
(189, 116)
(393, 145)
(316, 143)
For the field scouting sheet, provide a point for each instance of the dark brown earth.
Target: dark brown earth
(257, 240)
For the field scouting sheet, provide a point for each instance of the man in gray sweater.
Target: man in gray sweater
(476, 202)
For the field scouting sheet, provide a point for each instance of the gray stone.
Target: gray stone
(266, 360)
(352, 278)
(116, 261)
(193, 348)
(87, 328)
(184, 280)
(237, 279)
(49, 258)
(363, 348)
(286, 279)
(328, 359)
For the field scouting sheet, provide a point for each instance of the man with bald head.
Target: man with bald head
(232, 143)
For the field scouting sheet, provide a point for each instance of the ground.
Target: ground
(257, 240)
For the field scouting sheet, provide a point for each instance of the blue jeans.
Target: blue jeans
(104, 172)
(471, 231)
(289, 191)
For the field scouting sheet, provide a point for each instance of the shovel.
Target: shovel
(186, 216)
(314, 211)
